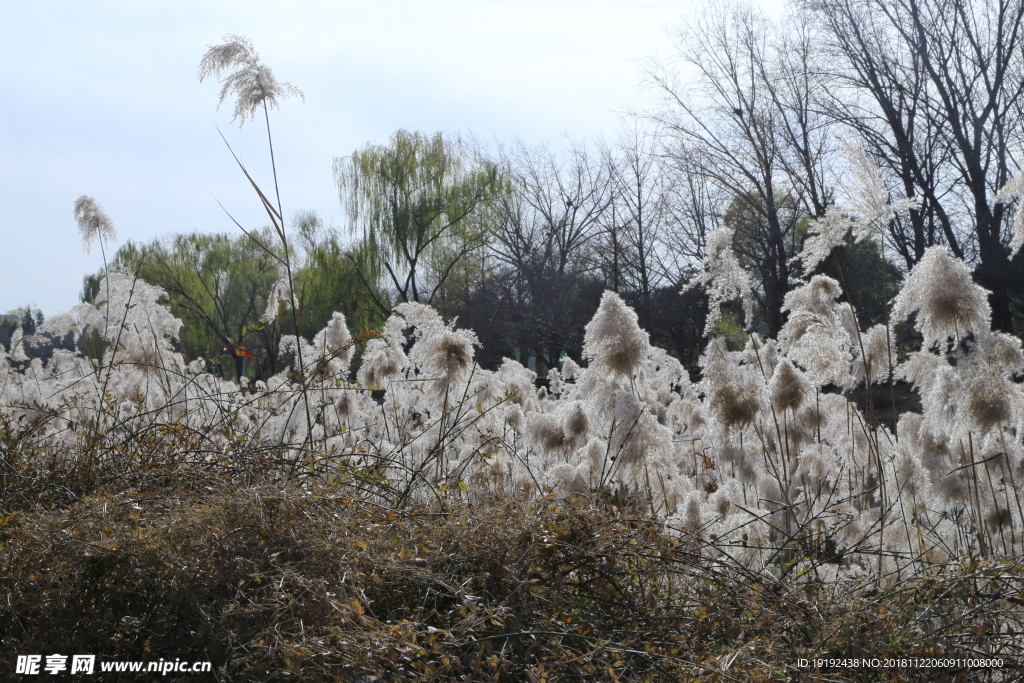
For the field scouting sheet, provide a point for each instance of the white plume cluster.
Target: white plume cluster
(280, 296)
(724, 278)
(248, 78)
(1008, 193)
(948, 303)
(772, 445)
(869, 211)
(93, 222)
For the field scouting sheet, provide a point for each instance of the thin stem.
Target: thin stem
(273, 168)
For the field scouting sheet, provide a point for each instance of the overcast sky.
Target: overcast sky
(101, 98)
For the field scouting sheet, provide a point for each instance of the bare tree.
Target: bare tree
(879, 91)
(695, 209)
(634, 254)
(748, 109)
(935, 88)
(543, 245)
(559, 204)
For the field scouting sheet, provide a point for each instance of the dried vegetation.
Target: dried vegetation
(318, 584)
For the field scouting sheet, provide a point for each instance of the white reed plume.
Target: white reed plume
(334, 343)
(142, 330)
(93, 223)
(868, 193)
(819, 333)
(441, 350)
(384, 358)
(949, 303)
(869, 203)
(613, 339)
(280, 295)
(787, 387)
(826, 233)
(724, 278)
(1007, 193)
(17, 346)
(249, 79)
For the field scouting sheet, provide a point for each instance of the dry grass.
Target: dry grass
(317, 584)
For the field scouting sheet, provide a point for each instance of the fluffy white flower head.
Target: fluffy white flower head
(879, 354)
(787, 387)
(17, 350)
(869, 202)
(441, 350)
(613, 338)
(1009, 192)
(724, 277)
(139, 329)
(333, 346)
(280, 295)
(868, 193)
(251, 80)
(948, 302)
(826, 233)
(819, 332)
(93, 223)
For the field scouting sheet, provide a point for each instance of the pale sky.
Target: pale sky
(101, 98)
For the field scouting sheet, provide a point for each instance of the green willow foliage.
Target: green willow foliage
(418, 204)
(336, 279)
(217, 286)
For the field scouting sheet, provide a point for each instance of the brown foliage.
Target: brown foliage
(318, 584)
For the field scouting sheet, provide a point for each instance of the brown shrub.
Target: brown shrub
(304, 584)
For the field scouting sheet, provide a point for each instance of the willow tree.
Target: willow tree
(419, 205)
(218, 286)
(342, 279)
